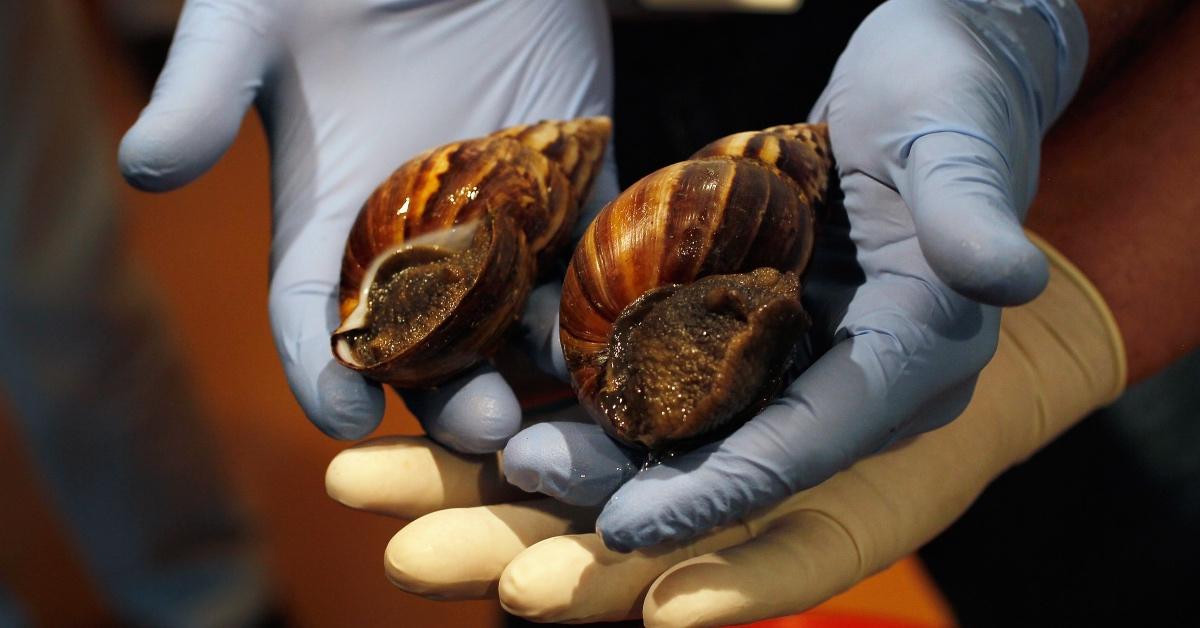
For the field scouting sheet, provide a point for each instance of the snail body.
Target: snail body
(681, 305)
(443, 253)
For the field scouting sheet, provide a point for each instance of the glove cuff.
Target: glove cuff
(1017, 25)
(1066, 22)
(1100, 313)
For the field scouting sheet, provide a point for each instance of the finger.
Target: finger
(214, 70)
(540, 330)
(460, 553)
(576, 463)
(476, 413)
(802, 560)
(408, 477)
(303, 313)
(577, 579)
(961, 194)
(848, 404)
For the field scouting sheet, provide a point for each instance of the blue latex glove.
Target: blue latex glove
(936, 112)
(347, 91)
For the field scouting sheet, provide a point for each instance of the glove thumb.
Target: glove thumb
(961, 194)
(213, 72)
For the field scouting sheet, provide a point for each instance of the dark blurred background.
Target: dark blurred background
(1099, 528)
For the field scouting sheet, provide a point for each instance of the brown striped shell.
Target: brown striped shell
(681, 306)
(443, 253)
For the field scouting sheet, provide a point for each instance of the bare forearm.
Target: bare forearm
(1120, 196)
(1119, 28)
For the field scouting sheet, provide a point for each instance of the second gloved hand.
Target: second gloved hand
(936, 112)
(1060, 357)
(347, 91)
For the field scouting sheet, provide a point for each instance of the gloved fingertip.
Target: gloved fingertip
(343, 479)
(477, 426)
(625, 529)
(215, 69)
(523, 460)
(147, 162)
(349, 407)
(618, 540)
(347, 428)
(541, 331)
(574, 463)
(476, 414)
(163, 151)
(967, 205)
(998, 267)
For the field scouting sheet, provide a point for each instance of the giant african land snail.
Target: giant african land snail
(681, 307)
(443, 253)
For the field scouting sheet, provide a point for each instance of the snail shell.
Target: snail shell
(681, 305)
(443, 253)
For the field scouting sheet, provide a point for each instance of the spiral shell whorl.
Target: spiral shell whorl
(538, 172)
(576, 146)
(800, 151)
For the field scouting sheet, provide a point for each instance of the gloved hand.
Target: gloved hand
(347, 91)
(936, 111)
(1060, 357)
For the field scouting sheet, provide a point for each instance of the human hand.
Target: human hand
(936, 111)
(1060, 357)
(347, 91)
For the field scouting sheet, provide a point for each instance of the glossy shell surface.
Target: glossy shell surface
(419, 306)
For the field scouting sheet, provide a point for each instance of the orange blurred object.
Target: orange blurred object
(901, 596)
(817, 619)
